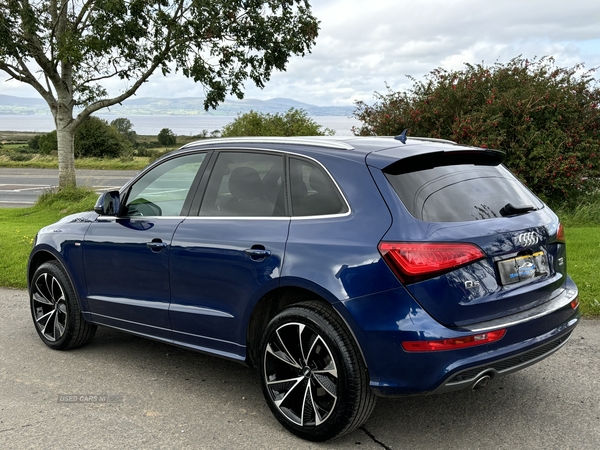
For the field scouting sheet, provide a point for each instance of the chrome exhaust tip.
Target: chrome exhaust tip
(481, 382)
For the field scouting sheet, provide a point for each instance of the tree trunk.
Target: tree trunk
(66, 157)
(65, 135)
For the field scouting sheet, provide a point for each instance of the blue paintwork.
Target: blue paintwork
(214, 283)
(200, 289)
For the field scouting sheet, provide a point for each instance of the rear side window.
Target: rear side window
(461, 193)
(313, 191)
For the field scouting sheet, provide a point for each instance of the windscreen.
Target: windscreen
(459, 193)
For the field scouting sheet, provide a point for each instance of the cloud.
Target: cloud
(364, 45)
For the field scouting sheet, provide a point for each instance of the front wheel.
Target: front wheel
(55, 310)
(312, 375)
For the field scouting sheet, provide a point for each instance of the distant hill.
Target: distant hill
(153, 106)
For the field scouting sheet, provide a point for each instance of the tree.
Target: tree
(544, 117)
(66, 49)
(167, 137)
(294, 122)
(125, 129)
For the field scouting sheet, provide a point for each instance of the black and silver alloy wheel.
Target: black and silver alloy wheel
(312, 375)
(301, 374)
(49, 306)
(55, 310)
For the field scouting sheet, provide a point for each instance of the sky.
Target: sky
(365, 45)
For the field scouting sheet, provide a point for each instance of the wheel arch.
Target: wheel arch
(46, 254)
(274, 302)
(40, 257)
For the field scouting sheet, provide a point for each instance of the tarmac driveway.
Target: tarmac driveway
(126, 392)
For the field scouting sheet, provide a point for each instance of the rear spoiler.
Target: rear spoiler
(429, 160)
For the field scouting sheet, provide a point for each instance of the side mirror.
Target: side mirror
(108, 204)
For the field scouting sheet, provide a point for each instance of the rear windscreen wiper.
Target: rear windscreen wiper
(510, 210)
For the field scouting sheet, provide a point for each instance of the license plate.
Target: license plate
(522, 268)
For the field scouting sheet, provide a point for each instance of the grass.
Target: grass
(19, 226)
(583, 260)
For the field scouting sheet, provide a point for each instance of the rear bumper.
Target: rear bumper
(382, 322)
(465, 379)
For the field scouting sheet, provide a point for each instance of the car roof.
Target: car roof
(380, 152)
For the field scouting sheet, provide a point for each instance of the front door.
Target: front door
(126, 258)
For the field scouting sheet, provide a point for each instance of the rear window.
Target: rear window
(461, 193)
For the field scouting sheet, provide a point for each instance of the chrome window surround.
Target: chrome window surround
(317, 141)
(327, 216)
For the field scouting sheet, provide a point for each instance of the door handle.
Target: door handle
(257, 253)
(156, 245)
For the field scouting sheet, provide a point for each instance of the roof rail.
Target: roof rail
(319, 141)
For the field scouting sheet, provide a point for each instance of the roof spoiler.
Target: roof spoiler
(424, 161)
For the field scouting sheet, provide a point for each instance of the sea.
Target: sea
(151, 125)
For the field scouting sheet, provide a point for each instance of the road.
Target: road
(21, 187)
(164, 397)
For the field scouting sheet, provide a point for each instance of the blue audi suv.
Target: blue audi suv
(343, 268)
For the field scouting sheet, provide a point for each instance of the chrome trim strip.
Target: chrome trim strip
(151, 336)
(325, 141)
(329, 216)
(131, 302)
(558, 302)
(238, 217)
(199, 310)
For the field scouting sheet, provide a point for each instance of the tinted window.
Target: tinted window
(245, 184)
(313, 190)
(163, 190)
(461, 193)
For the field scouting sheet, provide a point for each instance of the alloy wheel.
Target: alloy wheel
(49, 307)
(301, 374)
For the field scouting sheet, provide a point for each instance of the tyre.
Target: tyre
(55, 310)
(312, 375)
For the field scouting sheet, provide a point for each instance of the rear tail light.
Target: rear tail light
(413, 261)
(575, 303)
(560, 234)
(455, 343)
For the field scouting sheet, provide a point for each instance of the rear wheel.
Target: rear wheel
(55, 310)
(312, 375)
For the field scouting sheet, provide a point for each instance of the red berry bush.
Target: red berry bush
(545, 118)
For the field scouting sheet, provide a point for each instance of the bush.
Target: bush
(47, 143)
(544, 117)
(167, 137)
(295, 122)
(93, 138)
(96, 138)
(34, 142)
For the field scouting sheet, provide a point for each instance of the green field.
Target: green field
(19, 226)
(15, 152)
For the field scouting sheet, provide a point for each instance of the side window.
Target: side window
(313, 190)
(163, 190)
(245, 184)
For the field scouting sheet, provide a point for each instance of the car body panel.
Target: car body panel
(207, 309)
